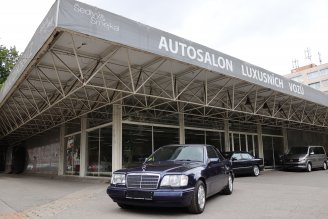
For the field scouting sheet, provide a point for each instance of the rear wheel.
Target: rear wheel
(228, 189)
(324, 166)
(256, 170)
(309, 167)
(198, 201)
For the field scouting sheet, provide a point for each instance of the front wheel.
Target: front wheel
(324, 166)
(228, 189)
(256, 170)
(198, 201)
(309, 167)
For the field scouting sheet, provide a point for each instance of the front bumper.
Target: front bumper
(159, 198)
(296, 165)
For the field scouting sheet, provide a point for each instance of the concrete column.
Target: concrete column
(117, 138)
(226, 135)
(61, 155)
(182, 134)
(260, 140)
(284, 133)
(83, 147)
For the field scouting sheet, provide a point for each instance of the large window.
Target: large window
(72, 147)
(316, 74)
(298, 78)
(205, 137)
(325, 83)
(194, 136)
(315, 85)
(100, 152)
(137, 144)
(165, 136)
(216, 139)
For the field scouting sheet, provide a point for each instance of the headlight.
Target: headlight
(301, 159)
(118, 178)
(175, 180)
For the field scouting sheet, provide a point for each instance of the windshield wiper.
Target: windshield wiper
(188, 160)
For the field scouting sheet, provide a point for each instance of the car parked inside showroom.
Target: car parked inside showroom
(305, 157)
(174, 176)
(244, 163)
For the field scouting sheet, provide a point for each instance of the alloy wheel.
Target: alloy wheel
(201, 197)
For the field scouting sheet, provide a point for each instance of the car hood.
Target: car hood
(164, 166)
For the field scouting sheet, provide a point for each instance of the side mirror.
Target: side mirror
(311, 153)
(233, 159)
(213, 160)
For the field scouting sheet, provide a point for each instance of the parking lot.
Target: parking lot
(274, 194)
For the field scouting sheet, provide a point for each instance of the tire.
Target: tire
(198, 201)
(256, 170)
(308, 167)
(324, 166)
(123, 206)
(228, 189)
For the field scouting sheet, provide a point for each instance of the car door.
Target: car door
(319, 155)
(215, 171)
(237, 163)
(313, 157)
(248, 162)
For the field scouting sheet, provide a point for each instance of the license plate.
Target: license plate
(139, 195)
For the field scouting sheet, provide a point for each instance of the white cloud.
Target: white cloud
(268, 33)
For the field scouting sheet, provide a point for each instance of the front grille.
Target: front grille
(142, 181)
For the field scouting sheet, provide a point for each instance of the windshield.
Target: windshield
(298, 150)
(182, 153)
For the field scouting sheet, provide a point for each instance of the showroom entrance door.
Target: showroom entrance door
(273, 148)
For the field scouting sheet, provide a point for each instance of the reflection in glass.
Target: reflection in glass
(72, 146)
(195, 136)
(137, 144)
(236, 142)
(216, 139)
(100, 152)
(242, 142)
(165, 136)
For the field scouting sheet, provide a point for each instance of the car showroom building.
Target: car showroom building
(94, 92)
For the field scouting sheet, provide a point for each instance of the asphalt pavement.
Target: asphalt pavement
(274, 194)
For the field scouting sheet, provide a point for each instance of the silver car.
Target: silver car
(306, 158)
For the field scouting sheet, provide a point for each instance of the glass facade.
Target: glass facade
(141, 138)
(72, 151)
(43, 152)
(313, 75)
(205, 137)
(165, 136)
(100, 152)
(298, 78)
(273, 148)
(315, 85)
(325, 83)
(244, 142)
(216, 139)
(136, 143)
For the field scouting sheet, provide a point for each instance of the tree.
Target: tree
(8, 59)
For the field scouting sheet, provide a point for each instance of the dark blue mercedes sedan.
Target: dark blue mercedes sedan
(174, 176)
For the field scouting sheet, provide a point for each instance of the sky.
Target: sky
(270, 34)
